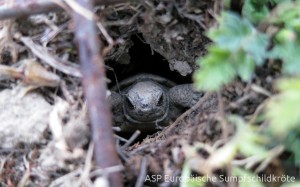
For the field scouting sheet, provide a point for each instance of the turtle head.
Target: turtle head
(146, 102)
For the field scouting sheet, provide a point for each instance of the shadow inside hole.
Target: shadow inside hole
(145, 60)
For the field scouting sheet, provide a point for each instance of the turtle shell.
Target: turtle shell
(142, 77)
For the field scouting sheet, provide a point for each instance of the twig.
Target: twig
(59, 64)
(143, 172)
(260, 90)
(24, 178)
(223, 119)
(257, 111)
(131, 139)
(68, 176)
(237, 104)
(140, 148)
(122, 153)
(94, 84)
(106, 171)
(109, 39)
(31, 7)
(186, 113)
(66, 93)
(249, 162)
(120, 138)
(252, 161)
(25, 8)
(275, 152)
(84, 176)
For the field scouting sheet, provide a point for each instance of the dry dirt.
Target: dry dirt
(45, 133)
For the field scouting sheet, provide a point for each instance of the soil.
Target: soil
(45, 134)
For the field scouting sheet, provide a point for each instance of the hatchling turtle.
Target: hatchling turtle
(147, 102)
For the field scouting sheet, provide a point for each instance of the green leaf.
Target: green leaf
(292, 184)
(247, 178)
(188, 180)
(231, 31)
(246, 67)
(292, 142)
(249, 141)
(290, 55)
(279, 1)
(251, 148)
(285, 36)
(255, 45)
(283, 110)
(285, 12)
(238, 47)
(216, 70)
(223, 155)
(238, 35)
(255, 10)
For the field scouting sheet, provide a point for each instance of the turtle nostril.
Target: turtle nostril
(145, 105)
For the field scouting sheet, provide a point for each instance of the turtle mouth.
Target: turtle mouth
(149, 120)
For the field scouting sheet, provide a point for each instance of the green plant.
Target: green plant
(239, 46)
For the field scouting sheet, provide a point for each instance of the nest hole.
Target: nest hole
(143, 59)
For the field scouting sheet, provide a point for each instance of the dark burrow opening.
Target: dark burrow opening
(144, 60)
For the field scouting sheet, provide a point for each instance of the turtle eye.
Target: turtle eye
(160, 101)
(129, 104)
